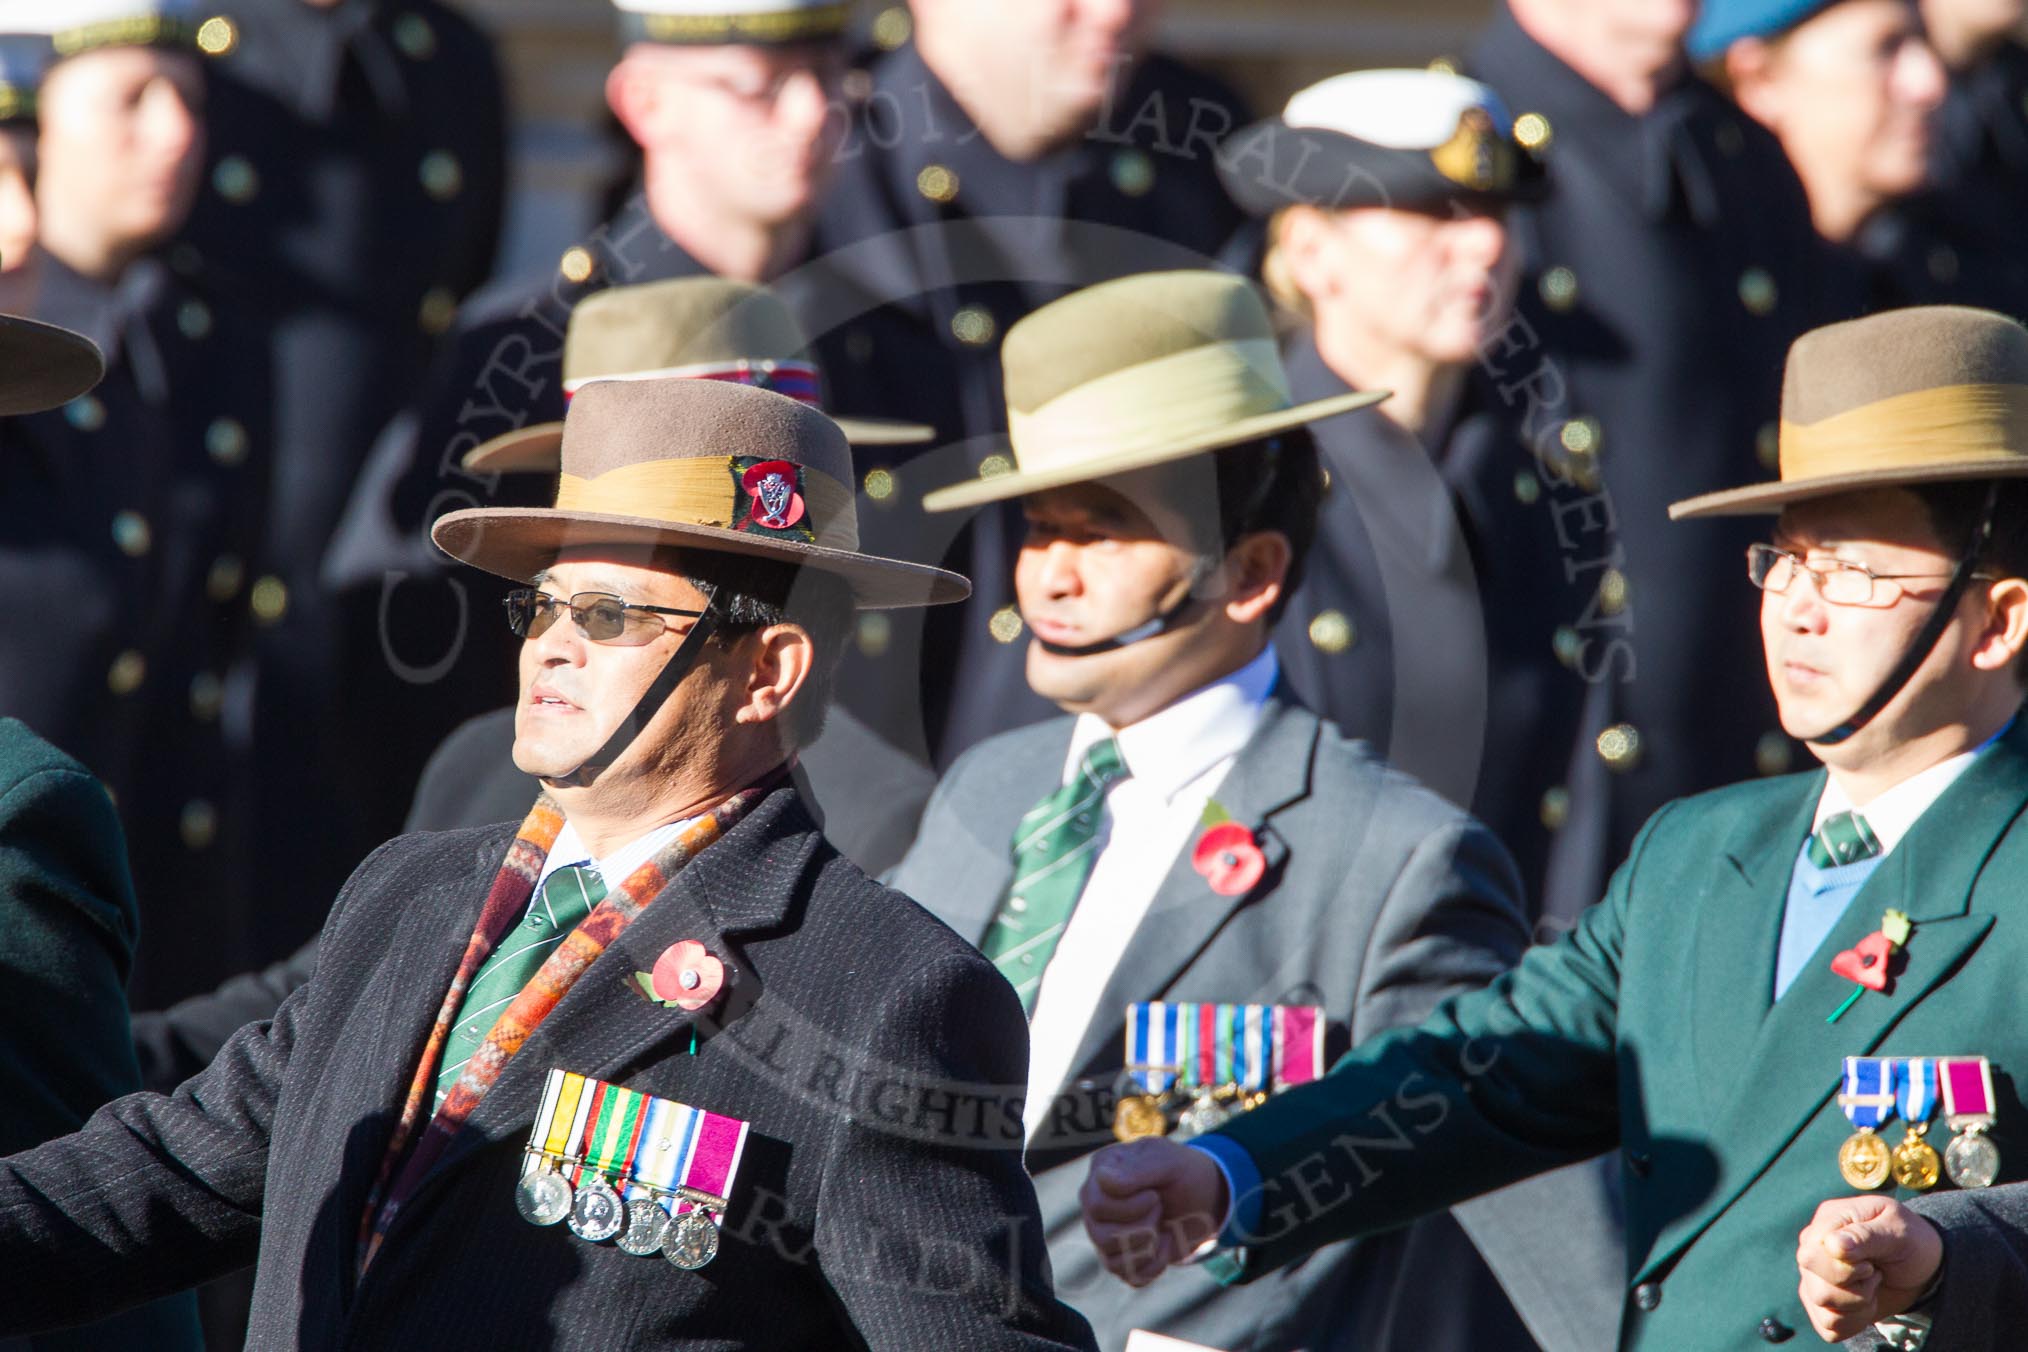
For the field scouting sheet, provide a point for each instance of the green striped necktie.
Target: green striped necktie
(565, 900)
(1844, 838)
(1054, 848)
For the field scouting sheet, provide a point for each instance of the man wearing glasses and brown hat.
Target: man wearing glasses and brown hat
(655, 1069)
(1199, 887)
(1788, 980)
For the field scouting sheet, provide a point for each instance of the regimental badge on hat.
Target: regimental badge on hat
(1418, 140)
(766, 22)
(75, 26)
(698, 328)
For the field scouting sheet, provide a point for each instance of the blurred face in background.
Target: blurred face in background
(1397, 283)
(750, 128)
(17, 196)
(121, 148)
(1051, 65)
(1962, 31)
(1626, 47)
(1852, 94)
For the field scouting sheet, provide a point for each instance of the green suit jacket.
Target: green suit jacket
(1652, 1028)
(67, 923)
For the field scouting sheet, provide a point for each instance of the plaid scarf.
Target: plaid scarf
(402, 1171)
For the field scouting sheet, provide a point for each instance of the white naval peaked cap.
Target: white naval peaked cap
(698, 22)
(1399, 109)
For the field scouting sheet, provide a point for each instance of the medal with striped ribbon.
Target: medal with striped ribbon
(1915, 1163)
(1971, 1159)
(1868, 1101)
(1207, 1055)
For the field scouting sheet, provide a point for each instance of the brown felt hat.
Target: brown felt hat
(1931, 394)
(1138, 372)
(697, 464)
(704, 328)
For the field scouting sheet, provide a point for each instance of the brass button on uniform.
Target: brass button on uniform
(131, 534)
(1132, 173)
(1331, 632)
(1619, 746)
(414, 36)
(1324, 478)
(1527, 488)
(1568, 645)
(1559, 289)
(993, 466)
(1757, 291)
(225, 441)
(974, 326)
(193, 319)
(1581, 436)
(879, 485)
(216, 36)
(1555, 809)
(577, 264)
(236, 180)
(1767, 447)
(439, 309)
(1648, 1295)
(892, 27)
(127, 672)
(1005, 626)
(873, 633)
(86, 413)
(1773, 754)
(198, 824)
(937, 183)
(270, 599)
(207, 696)
(1612, 591)
(223, 581)
(442, 176)
(1533, 131)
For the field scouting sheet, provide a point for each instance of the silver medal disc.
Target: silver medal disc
(691, 1241)
(1972, 1161)
(542, 1199)
(1200, 1117)
(597, 1214)
(646, 1224)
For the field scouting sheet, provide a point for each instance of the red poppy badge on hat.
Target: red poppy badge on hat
(774, 495)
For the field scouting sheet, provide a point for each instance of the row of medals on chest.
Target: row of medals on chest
(1971, 1159)
(1179, 1111)
(640, 1225)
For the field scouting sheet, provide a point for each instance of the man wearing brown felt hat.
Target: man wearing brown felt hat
(511, 1028)
(1699, 1019)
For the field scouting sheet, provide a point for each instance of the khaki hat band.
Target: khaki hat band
(789, 25)
(702, 491)
(1948, 424)
(748, 372)
(1152, 404)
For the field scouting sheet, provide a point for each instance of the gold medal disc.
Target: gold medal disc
(1915, 1163)
(1864, 1160)
(1137, 1116)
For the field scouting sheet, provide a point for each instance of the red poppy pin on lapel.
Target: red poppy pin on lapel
(1869, 963)
(686, 977)
(1226, 854)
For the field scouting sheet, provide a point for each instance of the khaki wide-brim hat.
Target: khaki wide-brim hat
(42, 365)
(1138, 372)
(697, 464)
(1927, 395)
(702, 328)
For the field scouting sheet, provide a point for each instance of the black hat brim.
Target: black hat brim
(1271, 165)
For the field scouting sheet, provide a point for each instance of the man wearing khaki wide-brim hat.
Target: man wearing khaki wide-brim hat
(1700, 1018)
(403, 1143)
(1190, 832)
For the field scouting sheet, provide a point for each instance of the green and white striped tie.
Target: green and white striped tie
(1054, 848)
(565, 900)
(1844, 838)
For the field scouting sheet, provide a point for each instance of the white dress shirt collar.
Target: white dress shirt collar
(1168, 750)
(570, 849)
(1893, 813)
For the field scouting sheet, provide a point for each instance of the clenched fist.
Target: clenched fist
(1864, 1259)
(1151, 1204)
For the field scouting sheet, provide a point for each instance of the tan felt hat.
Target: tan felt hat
(1139, 372)
(705, 328)
(697, 464)
(1931, 394)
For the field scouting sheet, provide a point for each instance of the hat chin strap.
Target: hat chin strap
(1932, 630)
(653, 698)
(1161, 623)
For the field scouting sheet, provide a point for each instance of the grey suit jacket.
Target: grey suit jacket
(1379, 899)
(1982, 1305)
(862, 1216)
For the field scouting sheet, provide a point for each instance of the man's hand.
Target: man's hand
(1864, 1259)
(1149, 1205)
